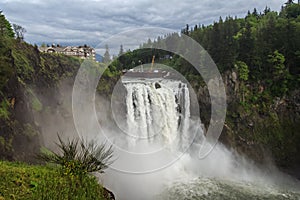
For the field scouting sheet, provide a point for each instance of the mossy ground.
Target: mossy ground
(22, 181)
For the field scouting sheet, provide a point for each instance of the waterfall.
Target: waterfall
(158, 111)
(157, 157)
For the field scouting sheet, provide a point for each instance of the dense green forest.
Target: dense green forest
(265, 47)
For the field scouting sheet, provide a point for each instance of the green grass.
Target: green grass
(22, 181)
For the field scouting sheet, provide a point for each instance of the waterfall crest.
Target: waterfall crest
(158, 111)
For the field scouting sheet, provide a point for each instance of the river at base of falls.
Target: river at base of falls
(215, 189)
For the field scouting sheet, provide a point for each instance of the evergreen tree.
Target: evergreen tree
(214, 42)
(292, 11)
(196, 27)
(246, 44)
(106, 57)
(228, 45)
(5, 27)
(187, 29)
(248, 13)
(289, 2)
(121, 52)
(267, 10)
(255, 13)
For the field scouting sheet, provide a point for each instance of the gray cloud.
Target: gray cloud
(91, 22)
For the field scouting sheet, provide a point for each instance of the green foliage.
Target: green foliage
(22, 182)
(6, 69)
(277, 60)
(78, 157)
(4, 109)
(54, 67)
(250, 44)
(292, 11)
(246, 42)
(5, 27)
(242, 70)
(23, 66)
(279, 137)
(279, 81)
(108, 79)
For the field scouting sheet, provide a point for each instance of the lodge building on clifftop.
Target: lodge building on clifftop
(82, 52)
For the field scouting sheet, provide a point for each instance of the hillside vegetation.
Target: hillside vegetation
(23, 181)
(29, 89)
(29, 86)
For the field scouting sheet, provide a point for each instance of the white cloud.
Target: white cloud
(79, 21)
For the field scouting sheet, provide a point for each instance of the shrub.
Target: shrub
(77, 157)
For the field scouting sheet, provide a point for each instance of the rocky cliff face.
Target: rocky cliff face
(28, 90)
(264, 129)
(18, 129)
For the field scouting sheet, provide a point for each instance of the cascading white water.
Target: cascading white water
(158, 111)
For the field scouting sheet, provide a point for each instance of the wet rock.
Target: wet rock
(157, 85)
(108, 194)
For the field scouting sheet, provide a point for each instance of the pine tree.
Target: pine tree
(106, 58)
(246, 44)
(187, 30)
(267, 10)
(196, 27)
(289, 2)
(255, 13)
(121, 52)
(5, 27)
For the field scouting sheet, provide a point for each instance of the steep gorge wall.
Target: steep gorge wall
(264, 129)
(29, 87)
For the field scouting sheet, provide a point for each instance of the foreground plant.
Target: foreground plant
(78, 157)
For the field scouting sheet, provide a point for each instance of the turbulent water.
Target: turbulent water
(214, 189)
(158, 142)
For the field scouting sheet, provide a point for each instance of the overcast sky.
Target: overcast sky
(92, 21)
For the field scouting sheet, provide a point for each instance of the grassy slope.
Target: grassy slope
(22, 181)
